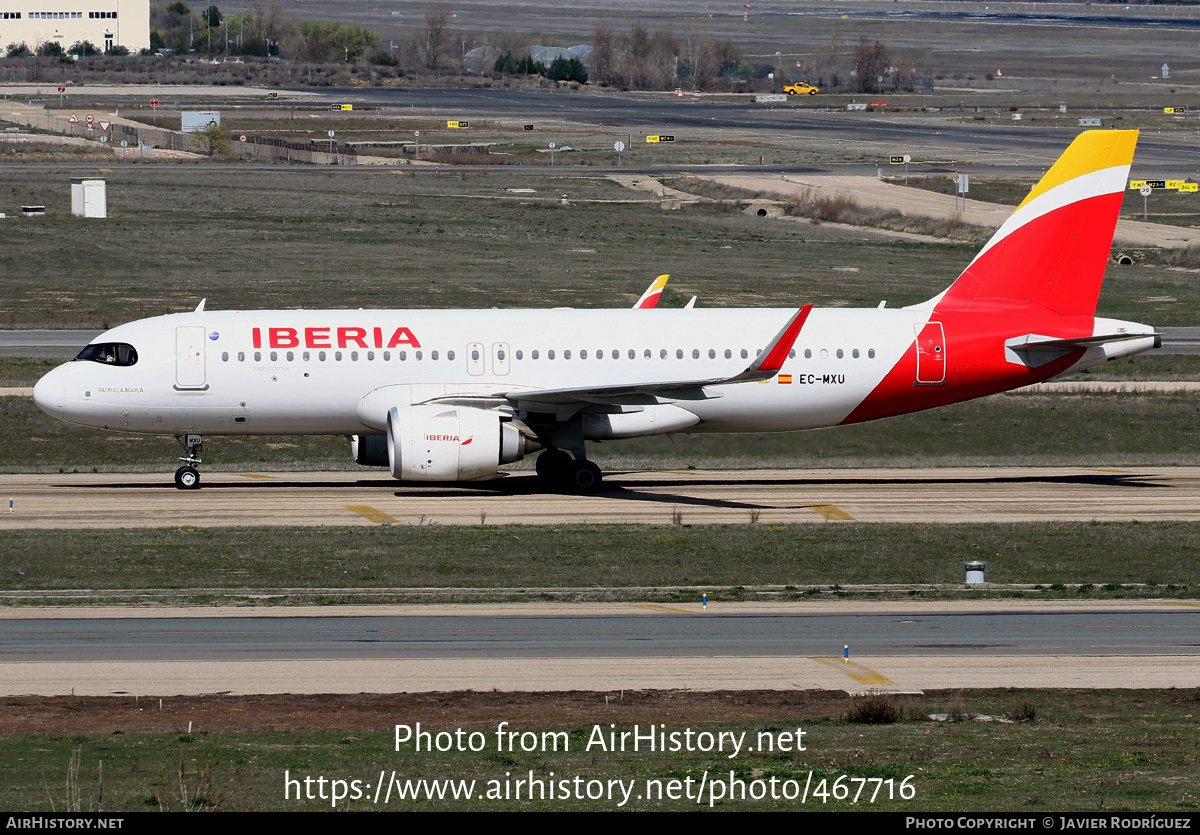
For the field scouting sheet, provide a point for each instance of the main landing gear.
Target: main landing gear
(187, 477)
(572, 475)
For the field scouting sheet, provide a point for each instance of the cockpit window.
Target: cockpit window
(109, 353)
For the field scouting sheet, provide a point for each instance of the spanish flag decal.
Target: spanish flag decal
(785, 379)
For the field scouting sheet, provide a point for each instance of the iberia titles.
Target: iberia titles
(334, 338)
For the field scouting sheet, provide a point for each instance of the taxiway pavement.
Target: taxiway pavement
(949, 495)
(536, 647)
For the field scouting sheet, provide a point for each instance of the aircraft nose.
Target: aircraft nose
(50, 393)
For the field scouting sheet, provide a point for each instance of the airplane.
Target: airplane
(649, 300)
(453, 395)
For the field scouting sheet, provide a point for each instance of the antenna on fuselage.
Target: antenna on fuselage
(200, 307)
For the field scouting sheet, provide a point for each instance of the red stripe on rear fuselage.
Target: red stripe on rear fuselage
(1043, 278)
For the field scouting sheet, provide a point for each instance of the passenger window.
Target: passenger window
(695, 353)
(337, 355)
(387, 355)
(728, 353)
(854, 353)
(290, 356)
(520, 354)
(241, 356)
(224, 356)
(840, 353)
(274, 356)
(403, 355)
(678, 353)
(712, 355)
(370, 355)
(808, 353)
(745, 354)
(433, 355)
(534, 353)
(567, 354)
(321, 356)
(417, 355)
(583, 354)
(871, 353)
(792, 354)
(550, 354)
(307, 356)
(354, 356)
(258, 356)
(662, 355)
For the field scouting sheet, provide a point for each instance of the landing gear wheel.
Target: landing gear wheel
(584, 477)
(552, 465)
(187, 478)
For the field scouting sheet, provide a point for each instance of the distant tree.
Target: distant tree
(870, 62)
(383, 58)
(435, 36)
(84, 49)
(567, 69)
(603, 56)
(709, 60)
(18, 50)
(174, 27)
(505, 64)
(333, 41)
(509, 64)
(50, 48)
(212, 17)
(213, 141)
(119, 51)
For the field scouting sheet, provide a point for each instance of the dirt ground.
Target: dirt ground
(216, 713)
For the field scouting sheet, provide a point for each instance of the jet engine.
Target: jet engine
(452, 443)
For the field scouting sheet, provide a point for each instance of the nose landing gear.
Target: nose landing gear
(187, 477)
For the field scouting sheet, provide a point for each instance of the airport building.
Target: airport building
(106, 23)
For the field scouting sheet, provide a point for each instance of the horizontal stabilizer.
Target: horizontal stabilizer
(1034, 350)
(1042, 343)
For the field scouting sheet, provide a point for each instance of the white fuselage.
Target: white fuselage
(308, 380)
(339, 371)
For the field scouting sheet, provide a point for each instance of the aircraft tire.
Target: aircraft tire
(187, 478)
(553, 465)
(584, 477)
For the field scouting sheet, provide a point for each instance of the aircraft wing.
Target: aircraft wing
(653, 293)
(765, 366)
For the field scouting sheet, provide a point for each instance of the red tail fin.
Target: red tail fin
(1053, 250)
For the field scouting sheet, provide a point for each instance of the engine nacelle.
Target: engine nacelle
(451, 443)
(649, 420)
(370, 450)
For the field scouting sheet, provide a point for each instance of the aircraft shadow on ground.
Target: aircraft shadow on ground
(645, 490)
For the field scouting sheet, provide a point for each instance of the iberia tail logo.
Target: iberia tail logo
(468, 440)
